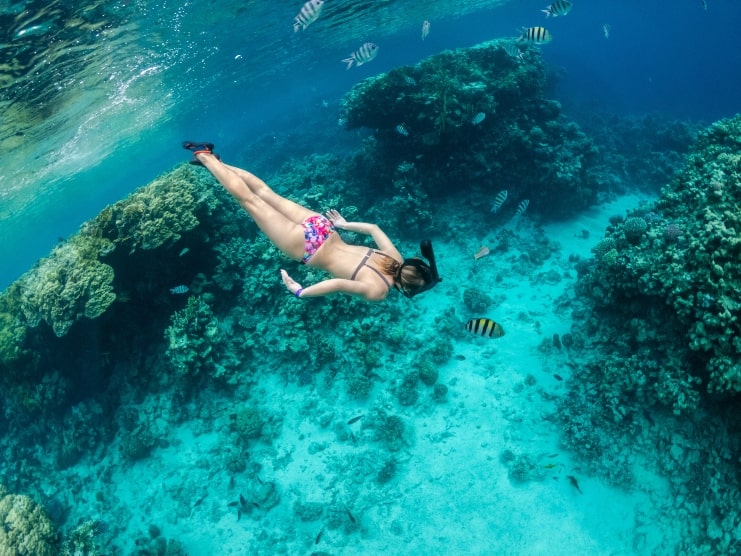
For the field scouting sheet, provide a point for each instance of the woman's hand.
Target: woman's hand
(290, 283)
(336, 218)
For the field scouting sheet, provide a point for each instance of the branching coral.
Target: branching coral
(196, 342)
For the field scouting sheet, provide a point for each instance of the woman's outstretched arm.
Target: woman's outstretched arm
(381, 239)
(333, 285)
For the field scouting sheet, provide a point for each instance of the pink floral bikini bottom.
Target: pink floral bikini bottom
(317, 229)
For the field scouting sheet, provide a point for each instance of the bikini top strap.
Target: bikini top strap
(362, 263)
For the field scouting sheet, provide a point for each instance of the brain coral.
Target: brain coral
(25, 528)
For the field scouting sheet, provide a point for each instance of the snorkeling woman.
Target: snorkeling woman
(309, 237)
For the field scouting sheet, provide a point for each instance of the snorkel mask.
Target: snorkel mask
(428, 272)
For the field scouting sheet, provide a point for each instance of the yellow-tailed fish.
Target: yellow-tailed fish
(482, 252)
(485, 327)
(536, 35)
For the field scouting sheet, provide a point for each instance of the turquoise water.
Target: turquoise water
(223, 423)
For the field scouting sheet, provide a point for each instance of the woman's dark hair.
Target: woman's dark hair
(415, 276)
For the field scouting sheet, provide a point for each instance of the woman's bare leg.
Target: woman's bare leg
(293, 211)
(287, 235)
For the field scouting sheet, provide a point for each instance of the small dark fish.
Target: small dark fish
(233, 504)
(355, 419)
(242, 501)
(352, 517)
(557, 376)
(552, 455)
(574, 483)
(485, 327)
(648, 417)
(239, 514)
(460, 357)
(318, 536)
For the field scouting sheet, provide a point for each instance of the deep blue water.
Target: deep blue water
(234, 72)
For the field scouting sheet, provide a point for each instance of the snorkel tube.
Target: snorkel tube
(426, 247)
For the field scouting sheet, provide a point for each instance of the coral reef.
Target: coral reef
(674, 303)
(196, 342)
(659, 312)
(428, 113)
(26, 529)
(641, 152)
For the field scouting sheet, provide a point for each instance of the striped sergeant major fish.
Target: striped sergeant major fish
(521, 208)
(559, 7)
(499, 201)
(513, 50)
(536, 35)
(309, 13)
(362, 55)
(485, 327)
(478, 118)
(179, 290)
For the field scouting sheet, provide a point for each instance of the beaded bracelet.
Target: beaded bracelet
(298, 292)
